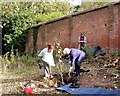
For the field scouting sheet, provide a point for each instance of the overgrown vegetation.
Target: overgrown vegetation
(13, 61)
(91, 5)
(22, 68)
(30, 71)
(17, 17)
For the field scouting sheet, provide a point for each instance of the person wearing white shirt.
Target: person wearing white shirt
(47, 60)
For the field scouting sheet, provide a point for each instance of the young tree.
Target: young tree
(58, 56)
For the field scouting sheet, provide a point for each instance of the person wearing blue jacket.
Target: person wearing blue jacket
(76, 58)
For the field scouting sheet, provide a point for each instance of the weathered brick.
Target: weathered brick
(101, 27)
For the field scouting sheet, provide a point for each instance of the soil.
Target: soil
(93, 74)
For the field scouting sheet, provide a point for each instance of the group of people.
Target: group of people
(76, 57)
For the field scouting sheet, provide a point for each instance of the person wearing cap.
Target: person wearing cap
(75, 59)
(47, 60)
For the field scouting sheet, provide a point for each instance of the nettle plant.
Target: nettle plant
(58, 58)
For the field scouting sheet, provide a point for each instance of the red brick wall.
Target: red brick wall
(93, 25)
(49, 32)
(119, 27)
(101, 26)
(58, 30)
(112, 28)
(29, 44)
(40, 38)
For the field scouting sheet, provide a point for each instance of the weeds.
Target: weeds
(11, 61)
(88, 52)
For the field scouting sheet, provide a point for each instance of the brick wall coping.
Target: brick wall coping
(73, 14)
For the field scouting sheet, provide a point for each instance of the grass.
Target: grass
(30, 71)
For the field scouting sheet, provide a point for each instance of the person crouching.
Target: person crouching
(47, 60)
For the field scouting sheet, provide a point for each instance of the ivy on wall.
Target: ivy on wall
(35, 35)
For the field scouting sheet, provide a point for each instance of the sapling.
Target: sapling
(58, 55)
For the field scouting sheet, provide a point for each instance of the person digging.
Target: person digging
(75, 59)
(47, 60)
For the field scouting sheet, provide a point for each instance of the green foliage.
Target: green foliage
(48, 16)
(58, 52)
(118, 54)
(58, 55)
(4, 62)
(88, 52)
(35, 35)
(88, 5)
(27, 59)
(11, 61)
(17, 17)
(14, 22)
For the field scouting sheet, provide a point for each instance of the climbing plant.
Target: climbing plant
(35, 34)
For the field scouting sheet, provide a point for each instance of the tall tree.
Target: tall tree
(17, 17)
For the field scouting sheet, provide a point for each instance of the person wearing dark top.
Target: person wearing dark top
(82, 41)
